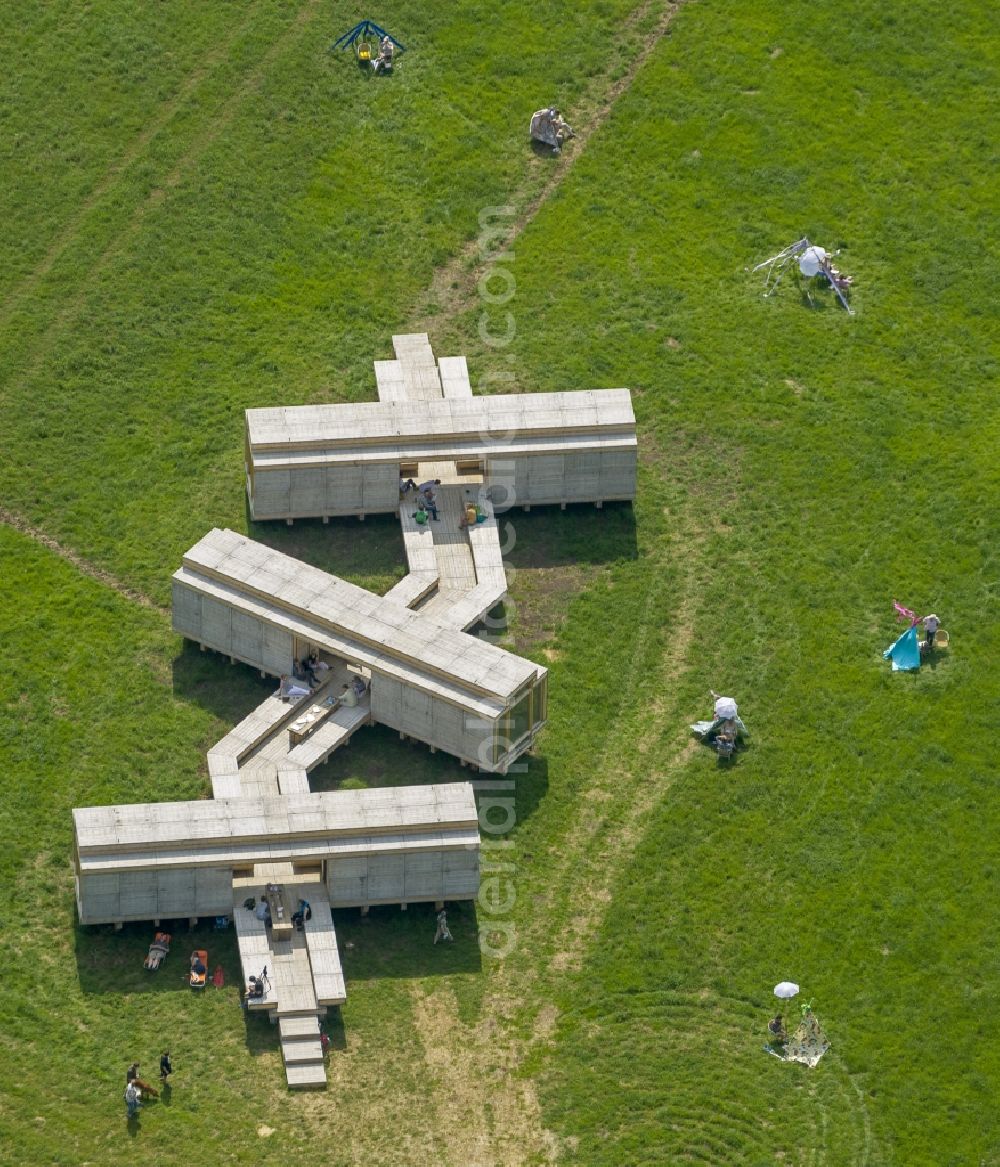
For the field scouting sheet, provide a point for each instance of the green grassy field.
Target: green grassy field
(200, 212)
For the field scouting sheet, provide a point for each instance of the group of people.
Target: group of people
(310, 674)
(135, 1087)
(426, 497)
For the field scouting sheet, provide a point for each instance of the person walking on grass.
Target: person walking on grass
(133, 1099)
(166, 1069)
(442, 932)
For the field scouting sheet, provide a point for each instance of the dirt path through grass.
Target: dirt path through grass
(104, 577)
(453, 288)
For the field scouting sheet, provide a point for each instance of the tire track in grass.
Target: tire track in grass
(16, 523)
(453, 287)
(117, 170)
(74, 306)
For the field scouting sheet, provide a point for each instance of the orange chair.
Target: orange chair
(198, 976)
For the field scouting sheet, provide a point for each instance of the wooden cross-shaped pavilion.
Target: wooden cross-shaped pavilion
(406, 660)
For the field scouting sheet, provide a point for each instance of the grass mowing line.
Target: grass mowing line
(199, 145)
(116, 170)
(9, 519)
(463, 270)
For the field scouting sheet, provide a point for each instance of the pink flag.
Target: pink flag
(905, 613)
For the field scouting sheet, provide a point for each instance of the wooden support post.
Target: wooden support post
(361, 517)
(232, 660)
(326, 519)
(599, 505)
(562, 506)
(118, 925)
(402, 907)
(364, 910)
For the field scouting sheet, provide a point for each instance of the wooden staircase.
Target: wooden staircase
(302, 1050)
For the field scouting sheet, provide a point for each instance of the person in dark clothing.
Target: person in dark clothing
(132, 1073)
(166, 1069)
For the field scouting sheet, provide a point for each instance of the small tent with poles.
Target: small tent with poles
(904, 652)
(810, 261)
(807, 1043)
(372, 45)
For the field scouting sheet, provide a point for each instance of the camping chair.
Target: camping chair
(364, 52)
(940, 641)
(157, 951)
(199, 980)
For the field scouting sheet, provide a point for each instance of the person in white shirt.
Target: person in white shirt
(931, 625)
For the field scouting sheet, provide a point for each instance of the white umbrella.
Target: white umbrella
(811, 260)
(785, 990)
(725, 707)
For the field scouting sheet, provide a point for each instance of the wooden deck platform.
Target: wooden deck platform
(304, 971)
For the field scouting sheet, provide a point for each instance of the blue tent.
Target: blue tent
(905, 653)
(367, 28)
